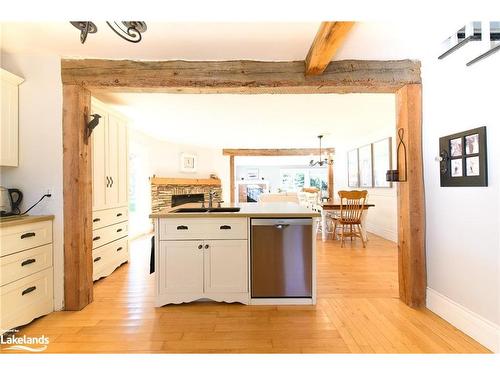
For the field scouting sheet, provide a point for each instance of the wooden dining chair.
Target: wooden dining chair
(352, 204)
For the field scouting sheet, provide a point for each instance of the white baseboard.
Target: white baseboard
(480, 329)
(382, 232)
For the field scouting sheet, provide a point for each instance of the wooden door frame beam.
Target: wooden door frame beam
(77, 197)
(232, 152)
(238, 77)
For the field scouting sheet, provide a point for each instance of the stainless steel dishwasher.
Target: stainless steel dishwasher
(281, 258)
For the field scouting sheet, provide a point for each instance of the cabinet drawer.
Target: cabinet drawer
(103, 218)
(26, 299)
(226, 229)
(108, 257)
(26, 236)
(182, 229)
(201, 228)
(108, 234)
(16, 266)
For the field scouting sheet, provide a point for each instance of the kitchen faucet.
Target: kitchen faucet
(211, 196)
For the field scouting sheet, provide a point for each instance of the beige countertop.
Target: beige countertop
(9, 221)
(268, 209)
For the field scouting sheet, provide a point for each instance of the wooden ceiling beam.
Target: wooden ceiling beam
(275, 151)
(239, 77)
(327, 42)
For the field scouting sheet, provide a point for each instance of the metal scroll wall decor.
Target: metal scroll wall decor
(474, 32)
(131, 31)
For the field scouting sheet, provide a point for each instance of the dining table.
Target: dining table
(332, 206)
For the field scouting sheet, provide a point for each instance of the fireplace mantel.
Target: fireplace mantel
(185, 181)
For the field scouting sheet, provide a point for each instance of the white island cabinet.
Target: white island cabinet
(202, 258)
(219, 254)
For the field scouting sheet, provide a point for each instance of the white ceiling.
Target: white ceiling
(162, 40)
(257, 121)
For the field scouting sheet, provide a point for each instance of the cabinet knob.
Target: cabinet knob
(206, 246)
(200, 247)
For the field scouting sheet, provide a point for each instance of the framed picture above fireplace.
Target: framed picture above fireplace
(188, 163)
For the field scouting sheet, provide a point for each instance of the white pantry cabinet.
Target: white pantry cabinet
(109, 190)
(109, 159)
(202, 258)
(9, 118)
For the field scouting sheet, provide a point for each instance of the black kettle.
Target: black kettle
(10, 200)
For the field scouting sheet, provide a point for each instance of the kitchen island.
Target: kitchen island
(252, 253)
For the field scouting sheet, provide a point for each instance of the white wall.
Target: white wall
(462, 229)
(162, 158)
(40, 147)
(381, 219)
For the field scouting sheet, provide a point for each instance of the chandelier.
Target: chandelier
(320, 162)
(131, 31)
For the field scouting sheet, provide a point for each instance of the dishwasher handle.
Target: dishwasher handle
(282, 226)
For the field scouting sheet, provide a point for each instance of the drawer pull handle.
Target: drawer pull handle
(182, 227)
(28, 290)
(119, 249)
(97, 259)
(225, 227)
(96, 220)
(28, 261)
(96, 238)
(28, 235)
(119, 214)
(119, 230)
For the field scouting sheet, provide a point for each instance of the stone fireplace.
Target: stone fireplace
(183, 190)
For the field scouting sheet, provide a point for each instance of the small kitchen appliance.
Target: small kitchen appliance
(10, 200)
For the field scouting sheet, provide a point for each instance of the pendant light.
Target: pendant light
(320, 162)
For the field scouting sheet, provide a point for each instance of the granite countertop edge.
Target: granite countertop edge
(253, 210)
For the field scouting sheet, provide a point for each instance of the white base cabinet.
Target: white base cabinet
(201, 258)
(26, 271)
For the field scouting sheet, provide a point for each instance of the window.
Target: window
(294, 179)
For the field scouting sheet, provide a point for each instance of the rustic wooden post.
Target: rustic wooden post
(231, 177)
(411, 208)
(77, 190)
(330, 178)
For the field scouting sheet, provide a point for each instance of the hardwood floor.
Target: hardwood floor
(358, 311)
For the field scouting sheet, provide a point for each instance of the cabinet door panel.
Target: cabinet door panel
(122, 164)
(226, 266)
(99, 161)
(181, 264)
(112, 161)
(8, 124)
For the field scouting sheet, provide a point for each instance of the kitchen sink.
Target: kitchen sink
(207, 210)
(224, 209)
(190, 209)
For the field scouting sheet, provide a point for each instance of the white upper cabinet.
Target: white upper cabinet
(9, 118)
(109, 159)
